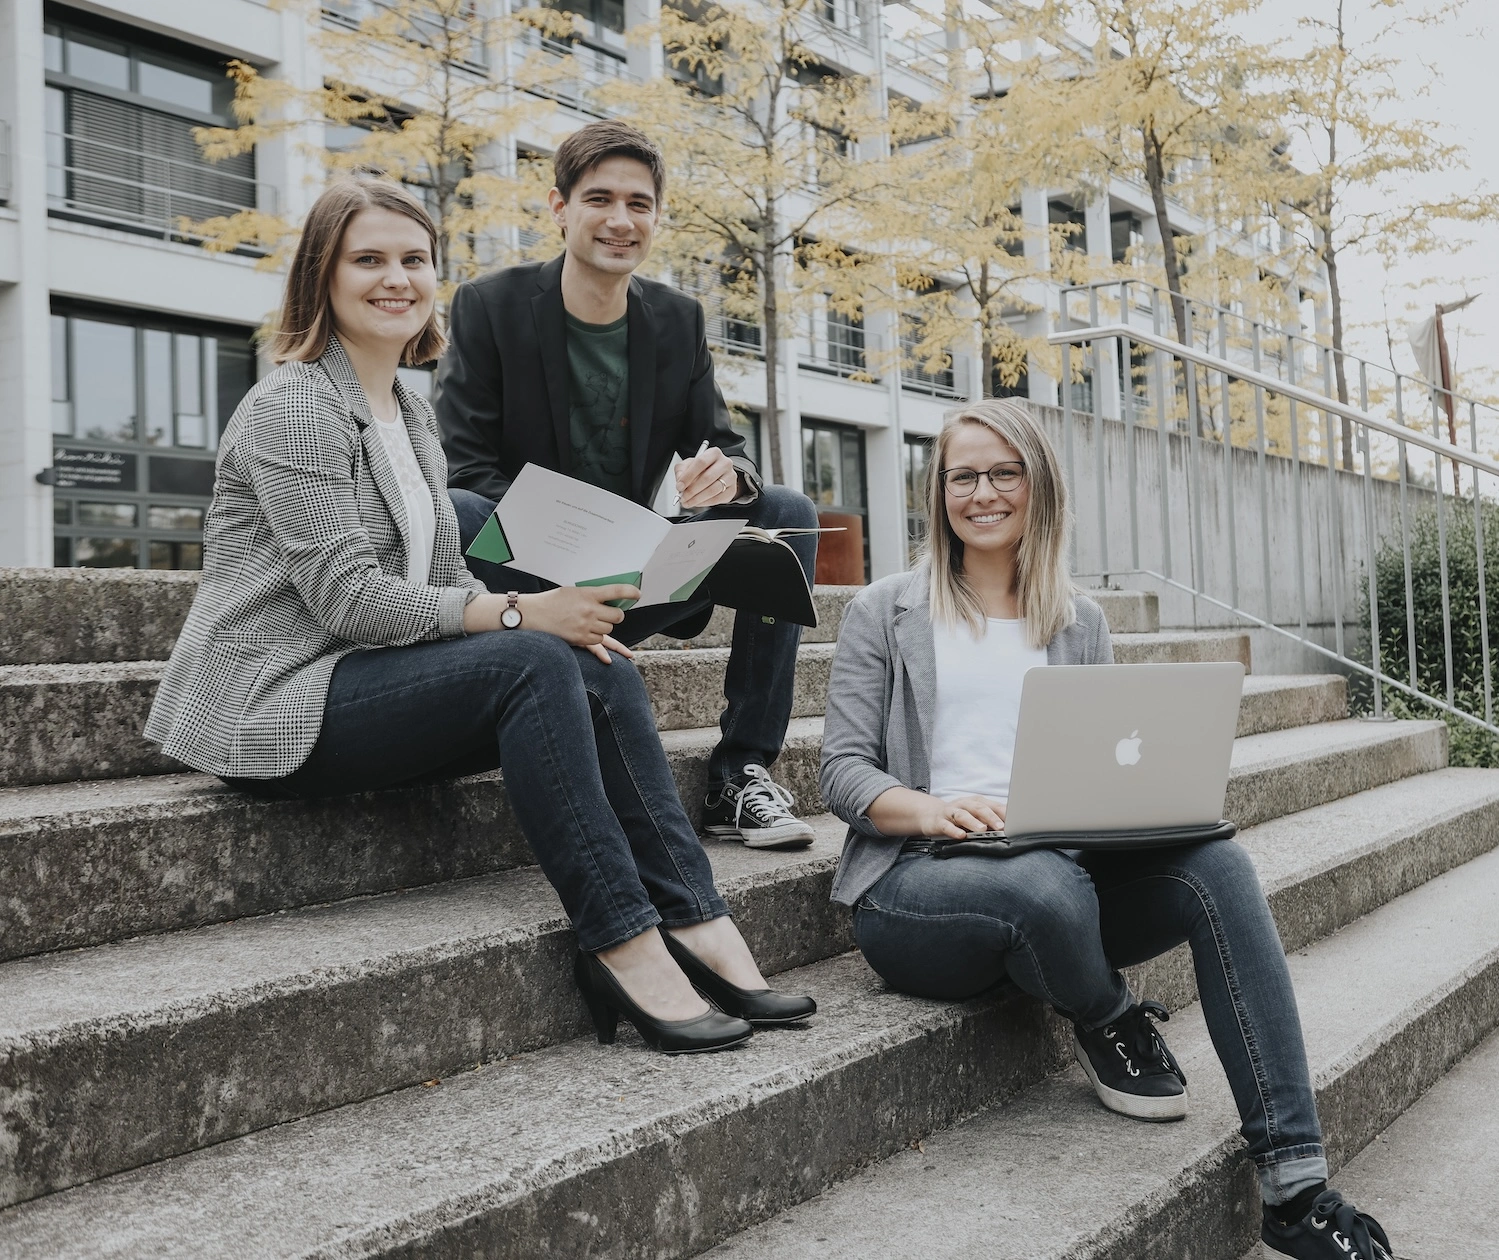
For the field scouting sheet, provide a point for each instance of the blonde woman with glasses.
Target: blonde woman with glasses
(919, 741)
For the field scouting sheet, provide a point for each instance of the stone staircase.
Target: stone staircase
(348, 1028)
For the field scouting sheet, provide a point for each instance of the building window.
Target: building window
(999, 388)
(833, 477)
(746, 424)
(914, 375)
(1064, 212)
(845, 343)
(1126, 236)
(138, 403)
(121, 110)
(917, 466)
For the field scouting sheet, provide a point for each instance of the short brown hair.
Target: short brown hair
(590, 145)
(306, 320)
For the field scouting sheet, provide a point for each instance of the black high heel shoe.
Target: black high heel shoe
(758, 1006)
(607, 1001)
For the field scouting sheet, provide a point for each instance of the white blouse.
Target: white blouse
(421, 513)
(978, 706)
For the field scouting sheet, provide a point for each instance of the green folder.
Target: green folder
(491, 543)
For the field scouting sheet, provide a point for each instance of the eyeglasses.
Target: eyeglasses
(962, 482)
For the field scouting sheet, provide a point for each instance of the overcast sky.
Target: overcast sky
(1464, 57)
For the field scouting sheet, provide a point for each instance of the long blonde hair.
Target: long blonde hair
(1044, 576)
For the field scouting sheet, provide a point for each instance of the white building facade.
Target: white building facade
(125, 348)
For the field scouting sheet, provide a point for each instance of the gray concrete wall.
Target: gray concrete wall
(1221, 527)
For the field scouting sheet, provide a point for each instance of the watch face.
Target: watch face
(510, 618)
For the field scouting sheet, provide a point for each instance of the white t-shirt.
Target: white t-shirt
(421, 515)
(978, 705)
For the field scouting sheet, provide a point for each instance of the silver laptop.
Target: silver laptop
(1123, 747)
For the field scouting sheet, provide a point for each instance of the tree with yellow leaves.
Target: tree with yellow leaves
(763, 144)
(1356, 144)
(961, 240)
(424, 91)
(1167, 94)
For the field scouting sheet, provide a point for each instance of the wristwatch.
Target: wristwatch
(510, 618)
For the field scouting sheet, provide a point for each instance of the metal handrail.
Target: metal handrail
(243, 193)
(1211, 322)
(1323, 517)
(1274, 385)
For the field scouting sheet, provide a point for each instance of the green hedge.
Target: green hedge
(1471, 745)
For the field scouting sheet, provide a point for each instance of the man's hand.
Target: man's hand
(707, 480)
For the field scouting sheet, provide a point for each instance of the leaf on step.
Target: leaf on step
(434, 1081)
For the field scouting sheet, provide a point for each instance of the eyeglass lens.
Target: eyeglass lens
(964, 481)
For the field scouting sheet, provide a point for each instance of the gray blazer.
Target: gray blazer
(304, 561)
(881, 695)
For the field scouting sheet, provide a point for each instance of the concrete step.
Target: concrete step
(50, 616)
(1432, 1178)
(83, 863)
(1388, 1005)
(64, 723)
(1168, 646)
(1277, 702)
(580, 1150)
(58, 616)
(144, 1049)
(61, 723)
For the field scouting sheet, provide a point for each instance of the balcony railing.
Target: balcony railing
(847, 17)
(921, 52)
(579, 70)
(428, 30)
(102, 181)
(837, 347)
(916, 379)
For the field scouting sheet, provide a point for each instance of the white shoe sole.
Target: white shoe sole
(1137, 1106)
(787, 836)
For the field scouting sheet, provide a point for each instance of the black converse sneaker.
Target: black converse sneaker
(1132, 1071)
(1330, 1230)
(754, 808)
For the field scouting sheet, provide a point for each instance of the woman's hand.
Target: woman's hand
(707, 480)
(904, 812)
(580, 615)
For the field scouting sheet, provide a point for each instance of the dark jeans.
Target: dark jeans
(758, 684)
(584, 767)
(1060, 927)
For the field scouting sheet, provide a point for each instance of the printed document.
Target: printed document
(575, 534)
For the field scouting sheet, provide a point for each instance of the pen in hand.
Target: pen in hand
(677, 498)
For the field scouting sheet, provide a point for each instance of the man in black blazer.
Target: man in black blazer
(579, 365)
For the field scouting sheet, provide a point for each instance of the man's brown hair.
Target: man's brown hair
(590, 145)
(306, 320)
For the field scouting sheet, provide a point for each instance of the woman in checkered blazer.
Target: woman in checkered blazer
(338, 644)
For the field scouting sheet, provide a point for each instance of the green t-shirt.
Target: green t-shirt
(598, 386)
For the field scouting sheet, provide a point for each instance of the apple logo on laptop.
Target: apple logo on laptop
(1127, 751)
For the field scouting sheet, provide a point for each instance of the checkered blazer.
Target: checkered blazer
(304, 562)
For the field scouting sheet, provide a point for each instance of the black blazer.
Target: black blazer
(501, 391)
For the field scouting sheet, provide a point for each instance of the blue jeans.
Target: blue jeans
(584, 767)
(1060, 926)
(760, 679)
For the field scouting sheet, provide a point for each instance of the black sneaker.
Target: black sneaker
(1332, 1230)
(756, 809)
(1131, 1070)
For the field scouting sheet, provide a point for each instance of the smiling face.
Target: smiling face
(988, 520)
(383, 285)
(610, 219)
